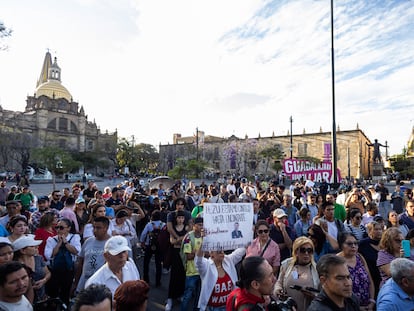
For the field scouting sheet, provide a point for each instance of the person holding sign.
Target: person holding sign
(264, 246)
(218, 277)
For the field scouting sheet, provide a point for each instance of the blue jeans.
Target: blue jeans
(223, 308)
(192, 288)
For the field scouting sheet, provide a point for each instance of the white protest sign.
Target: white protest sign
(227, 225)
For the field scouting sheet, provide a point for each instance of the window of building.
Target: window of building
(302, 149)
(52, 124)
(73, 127)
(63, 124)
(89, 145)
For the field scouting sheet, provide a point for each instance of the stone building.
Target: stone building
(52, 118)
(242, 156)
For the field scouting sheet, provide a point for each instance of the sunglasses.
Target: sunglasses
(60, 227)
(304, 250)
(262, 231)
(351, 243)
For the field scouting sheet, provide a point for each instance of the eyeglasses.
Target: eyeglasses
(350, 244)
(304, 250)
(262, 231)
(60, 227)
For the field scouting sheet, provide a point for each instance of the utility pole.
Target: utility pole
(197, 143)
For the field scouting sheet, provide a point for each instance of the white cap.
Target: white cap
(25, 241)
(279, 213)
(116, 244)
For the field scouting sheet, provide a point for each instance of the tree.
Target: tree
(139, 158)
(4, 33)
(191, 168)
(272, 153)
(56, 160)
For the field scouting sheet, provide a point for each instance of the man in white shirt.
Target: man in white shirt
(118, 267)
(14, 282)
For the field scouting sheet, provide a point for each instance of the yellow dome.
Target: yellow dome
(53, 87)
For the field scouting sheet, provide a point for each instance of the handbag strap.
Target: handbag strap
(264, 249)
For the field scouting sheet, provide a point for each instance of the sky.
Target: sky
(152, 68)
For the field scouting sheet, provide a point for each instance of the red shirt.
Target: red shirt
(221, 291)
(42, 234)
(240, 297)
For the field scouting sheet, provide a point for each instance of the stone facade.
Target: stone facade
(52, 118)
(241, 156)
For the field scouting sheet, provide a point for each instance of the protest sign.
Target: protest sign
(227, 225)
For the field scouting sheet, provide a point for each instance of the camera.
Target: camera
(286, 305)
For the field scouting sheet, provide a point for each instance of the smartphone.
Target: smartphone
(405, 244)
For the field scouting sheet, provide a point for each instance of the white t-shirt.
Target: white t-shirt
(22, 305)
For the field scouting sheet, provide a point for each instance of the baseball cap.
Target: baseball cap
(25, 241)
(116, 244)
(43, 198)
(80, 200)
(279, 213)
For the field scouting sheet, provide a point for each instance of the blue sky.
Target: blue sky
(157, 67)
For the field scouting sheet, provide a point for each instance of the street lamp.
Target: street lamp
(334, 151)
(291, 137)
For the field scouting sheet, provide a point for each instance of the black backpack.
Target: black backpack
(154, 237)
(63, 259)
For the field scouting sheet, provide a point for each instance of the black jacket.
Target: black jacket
(323, 303)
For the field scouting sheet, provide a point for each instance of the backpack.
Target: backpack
(188, 238)
(154, 236)
(63, 259)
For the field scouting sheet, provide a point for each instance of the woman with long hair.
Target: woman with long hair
(25, 251)
(299, 270)
(393, 221)
(18, 227)
(264, 246)
(45, 230)
(177, 277)
(61, 251)
(323, 242)
(362, 284)
(98, 210)
(389, 249)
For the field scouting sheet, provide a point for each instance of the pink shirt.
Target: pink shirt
(272, 253)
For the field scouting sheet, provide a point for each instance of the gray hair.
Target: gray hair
(400, 268)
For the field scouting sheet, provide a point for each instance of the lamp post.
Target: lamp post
(291, 137)
(334, 149)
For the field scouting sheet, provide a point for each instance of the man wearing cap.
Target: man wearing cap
(118, 268)
(281, 233)
(68, 212)
(42, 208)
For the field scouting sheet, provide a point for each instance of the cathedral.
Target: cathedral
(52, 118)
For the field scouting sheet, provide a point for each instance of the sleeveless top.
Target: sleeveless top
(360, 281)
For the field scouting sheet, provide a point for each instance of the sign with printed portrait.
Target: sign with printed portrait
(227, 226)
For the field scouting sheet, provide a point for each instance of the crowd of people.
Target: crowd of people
(325, 250)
